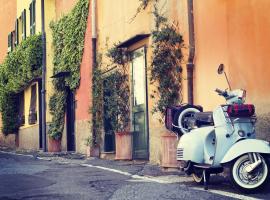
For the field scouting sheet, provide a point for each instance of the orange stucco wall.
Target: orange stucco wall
(84, 92)
(7, 24)
(235, 33)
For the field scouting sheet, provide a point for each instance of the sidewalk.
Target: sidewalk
(134, 167)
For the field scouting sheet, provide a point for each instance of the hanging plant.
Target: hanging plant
(68, 42)
(19, 68)
(166, 70)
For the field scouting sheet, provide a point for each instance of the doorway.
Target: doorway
(139, 106)
(70, 120)
(109, 135)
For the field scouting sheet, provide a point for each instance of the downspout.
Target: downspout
(94, 48)
(190, 63)
(43, 90)
(94, 34)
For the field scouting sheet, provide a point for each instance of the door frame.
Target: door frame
(146, 102)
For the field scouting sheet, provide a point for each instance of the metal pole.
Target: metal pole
(43, 90)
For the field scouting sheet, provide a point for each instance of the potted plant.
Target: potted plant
(92, 147)
(117, 103)
(166, 74)
(57, 105)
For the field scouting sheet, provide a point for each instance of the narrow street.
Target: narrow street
(26, 177)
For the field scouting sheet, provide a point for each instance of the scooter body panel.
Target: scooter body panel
(246, 146)
(191, 145)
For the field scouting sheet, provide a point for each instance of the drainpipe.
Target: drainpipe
(190, 64)
(43, 90)
(94, 34)
(94, 47)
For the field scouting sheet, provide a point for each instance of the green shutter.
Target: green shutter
(16, 32)
(9, 42)
(24, 24)
(34, 16)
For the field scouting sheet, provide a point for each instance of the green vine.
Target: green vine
(143, 5)
(117, 86)
(20, 66)
(97, 103)
(68, 42)
(166, 70)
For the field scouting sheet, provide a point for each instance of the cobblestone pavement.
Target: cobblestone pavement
(29, 175)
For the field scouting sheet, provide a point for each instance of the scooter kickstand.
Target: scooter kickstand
(205, 180)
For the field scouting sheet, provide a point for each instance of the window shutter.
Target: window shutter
(32, 119)
(31, 18)
(21, 109)
(16, 32)
(34, 16)
(24, 24)
(9, 43)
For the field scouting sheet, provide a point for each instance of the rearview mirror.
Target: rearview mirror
(220, 69)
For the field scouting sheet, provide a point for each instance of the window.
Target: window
(10, 42)
(21, 109)
(23, 24)
(16, 32)
(32, 10)
(32, 118)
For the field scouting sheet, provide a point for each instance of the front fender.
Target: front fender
(246, 146)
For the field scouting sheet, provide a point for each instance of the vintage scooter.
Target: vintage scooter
(212, 141)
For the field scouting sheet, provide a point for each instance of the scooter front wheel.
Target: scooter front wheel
(198, 177)
(249, 182)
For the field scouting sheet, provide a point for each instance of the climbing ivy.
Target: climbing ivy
(97, 104)
(68, 42)
(117, 86)
(166, 67)
(20, 66)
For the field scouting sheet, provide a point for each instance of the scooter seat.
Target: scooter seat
(204, 118)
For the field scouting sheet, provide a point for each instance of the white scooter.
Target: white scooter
(224, 138)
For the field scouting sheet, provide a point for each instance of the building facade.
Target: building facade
(234, 33)
(25, 20)
(7, 25)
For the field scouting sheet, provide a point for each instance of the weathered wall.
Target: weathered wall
(29, 137)
(7, 24)
(118, 27)
(234, 33)
(62, 7)
(84, 92)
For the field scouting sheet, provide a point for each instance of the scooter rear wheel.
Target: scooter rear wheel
(249, 182)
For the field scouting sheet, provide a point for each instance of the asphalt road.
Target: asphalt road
(24, 177)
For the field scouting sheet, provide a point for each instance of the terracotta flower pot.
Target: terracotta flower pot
(54, 145)
(93, 151)
(168, 150)
(123, 146)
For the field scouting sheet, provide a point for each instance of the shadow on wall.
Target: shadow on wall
(263, 126)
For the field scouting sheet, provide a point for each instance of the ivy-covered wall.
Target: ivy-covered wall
(68, 44)
(20, 67)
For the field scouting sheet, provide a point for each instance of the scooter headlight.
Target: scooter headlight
(241, 133)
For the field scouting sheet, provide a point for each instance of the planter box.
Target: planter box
(168, 150)
(123, 146)
(54, 145)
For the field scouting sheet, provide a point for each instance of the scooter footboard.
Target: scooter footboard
(246, 146)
